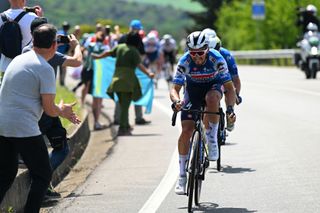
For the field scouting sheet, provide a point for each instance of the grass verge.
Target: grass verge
(68, 97)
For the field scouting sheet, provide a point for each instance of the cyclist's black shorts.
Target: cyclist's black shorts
(196, 96)
(169, 56)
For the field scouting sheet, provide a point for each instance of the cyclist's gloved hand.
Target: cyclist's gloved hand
(230, 111)
(177, 105)
(239, 99)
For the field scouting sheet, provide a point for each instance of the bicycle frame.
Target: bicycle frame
(197, 159)
(203, 152)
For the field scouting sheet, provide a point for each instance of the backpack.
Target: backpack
(11, 36)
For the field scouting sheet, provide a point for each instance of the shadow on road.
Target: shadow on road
(144, 135)
(82, 195)
(49, 203)
(232, 170)
(229, 144)
(213, 207)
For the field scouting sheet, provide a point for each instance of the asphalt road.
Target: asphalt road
(271, 162)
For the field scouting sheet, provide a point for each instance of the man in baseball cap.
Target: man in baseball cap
(135, 24)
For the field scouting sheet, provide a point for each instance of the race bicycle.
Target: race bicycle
(198, 160)
(167, 73)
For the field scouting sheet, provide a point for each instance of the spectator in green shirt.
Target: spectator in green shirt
(124, 81)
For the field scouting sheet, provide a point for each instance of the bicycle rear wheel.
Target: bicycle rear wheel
(192, 168)
(220, 137)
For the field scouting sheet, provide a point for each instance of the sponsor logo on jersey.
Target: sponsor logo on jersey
(181, 69)
(212, 59)
(221, 67)
(203, 76)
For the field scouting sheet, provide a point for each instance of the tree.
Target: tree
(238, 31)
(207, 18)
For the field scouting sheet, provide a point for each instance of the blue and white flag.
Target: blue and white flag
(103, 72)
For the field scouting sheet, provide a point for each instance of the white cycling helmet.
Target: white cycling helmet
(311, 8)
(312, 27)
(210, 32)
(197, 40)
(152, 38)
(215, 43)
(167, 37)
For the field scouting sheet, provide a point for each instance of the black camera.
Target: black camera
(30, 9)
(63, 39)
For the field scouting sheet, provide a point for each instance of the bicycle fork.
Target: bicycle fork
(204, 161)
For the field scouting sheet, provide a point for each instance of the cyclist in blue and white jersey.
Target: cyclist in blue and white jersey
(169, 49)
(153, 58)
(215, 43)
(203, 72)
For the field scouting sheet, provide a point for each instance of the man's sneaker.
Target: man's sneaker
(98, 126)
(124, 132)
(142, 121)
(213, 151)
(180, 188)
(51, 194)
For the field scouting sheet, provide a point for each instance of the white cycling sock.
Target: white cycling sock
(182, 165)
(212, 132)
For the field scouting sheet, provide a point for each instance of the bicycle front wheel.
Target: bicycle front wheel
(193, 167)
(199, 172)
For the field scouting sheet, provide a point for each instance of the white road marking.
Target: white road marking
(169, 179)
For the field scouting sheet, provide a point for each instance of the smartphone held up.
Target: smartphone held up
(63, 39)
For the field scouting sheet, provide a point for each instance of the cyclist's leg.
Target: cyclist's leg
(160, 62)
(172, 60)
(213, 98)
(183, 149)
(187, 124)
(183, 143)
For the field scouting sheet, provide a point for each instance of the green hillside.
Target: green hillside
(187, 5)
(165, 19)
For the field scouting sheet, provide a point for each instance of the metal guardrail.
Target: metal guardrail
(264, 54)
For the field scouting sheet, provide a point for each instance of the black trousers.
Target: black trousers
(53, 129)
(57, 135)
(34, 153)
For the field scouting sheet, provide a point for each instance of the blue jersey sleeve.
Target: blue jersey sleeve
(220, 65)
(181, 70)
(232, 66)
